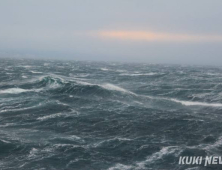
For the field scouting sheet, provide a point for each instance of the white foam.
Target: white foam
(186, 103)
(14, 91)
(73, 137)
(213, 74)
(61, 103)
(18, 90)
(20, 109)
(138, 74)
(4, 141)
(35, 72)
(217, 144)
(191, 103)
(64, 145)
(33, 153)
(120, 167)
(104, 69)
(108, 86)
(85, 83)
(97, 144)
(7, 124)
(158, 155)
(123, 139)
(46, 64)
(149, 160)
(116, 88)
(56, 115)
(27, 66)
(194, 168)
(121, 71)
(50, 116)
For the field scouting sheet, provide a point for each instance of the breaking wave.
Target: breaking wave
(192, 103)
(138, 74)
(16, 91)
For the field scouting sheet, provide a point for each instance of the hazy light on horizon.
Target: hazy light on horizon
(158, 36)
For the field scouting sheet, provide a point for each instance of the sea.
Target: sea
(85, 115)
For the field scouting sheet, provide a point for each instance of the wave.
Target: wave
(104, 69)
(14, 91)
(26, 66)
(159, 155)
(139, 74)
(79, 87)
(72, 137)
(22, 109)
(215, 145)
(52, 116)
(7, 124)
(98, 144)
(191, 103)
(4, 141)
(109, 86)
(165, 151)
(36, 72)
(185, 103)
(50, 82)
(121, 167)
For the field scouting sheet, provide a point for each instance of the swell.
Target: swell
(58, 85)
(63, 85)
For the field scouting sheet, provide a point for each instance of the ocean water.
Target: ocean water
(107, 116)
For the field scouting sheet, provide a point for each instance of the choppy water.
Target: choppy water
(107, 116)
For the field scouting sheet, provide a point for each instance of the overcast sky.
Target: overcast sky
(152, 31)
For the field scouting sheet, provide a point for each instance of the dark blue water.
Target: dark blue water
(107, 116)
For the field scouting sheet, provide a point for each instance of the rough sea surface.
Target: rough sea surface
(57, 115)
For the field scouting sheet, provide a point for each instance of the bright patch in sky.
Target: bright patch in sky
(158, 36)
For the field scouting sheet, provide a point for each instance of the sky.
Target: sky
(151, 31)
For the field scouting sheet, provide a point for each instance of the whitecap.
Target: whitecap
(213, 74)
(139, 74)
(18, 91)
(14, 91)
(85, 83)
(35, 72)
(61, 103)
(26, 66)
(7, 124)
(217, 144)
(109, 86)
(108, 140)
(121, 71)
(120, 167)
(50, 116)
(191, 103)
(33, 152)
(4, 141)
(73, 137)
(193, 168)
(46, 64)
(158, 155)
(20, 109)
(186, 103)
(104, 69)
